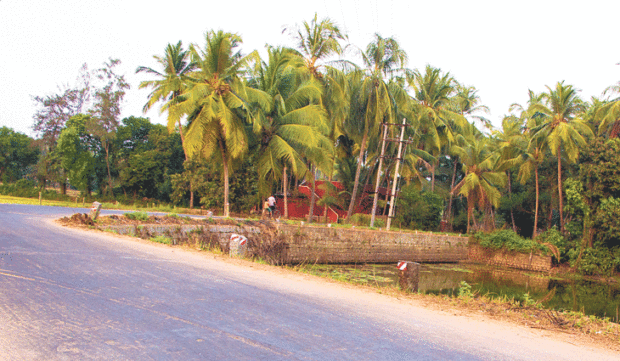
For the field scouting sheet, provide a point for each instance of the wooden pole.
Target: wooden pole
(392, 198)
(39, 198)
(376, 197)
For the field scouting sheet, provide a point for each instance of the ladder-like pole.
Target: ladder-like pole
(400, 148)
(374, 201)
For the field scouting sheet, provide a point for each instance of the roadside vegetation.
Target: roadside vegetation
(242, 126)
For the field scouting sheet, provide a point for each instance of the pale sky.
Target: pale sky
(502, 48)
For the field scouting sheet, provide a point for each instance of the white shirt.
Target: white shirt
(272, 201)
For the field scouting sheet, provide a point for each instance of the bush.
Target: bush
(599, 261)
(554, 237)
(506, 239)
(137, 216)
(361, 219)
(418, 210)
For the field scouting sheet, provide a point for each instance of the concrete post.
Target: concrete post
(94, 210)
(237, 245)
(377, 184)
(393, 194)
(408, 275)
(39, 198)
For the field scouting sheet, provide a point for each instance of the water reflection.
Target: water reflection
(592, 298)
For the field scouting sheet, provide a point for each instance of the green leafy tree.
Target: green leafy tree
(107, 109)
(419, 209)
(76, 148)
(148, 155)
(17, 154)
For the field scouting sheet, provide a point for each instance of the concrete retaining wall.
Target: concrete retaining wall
(349, 245)
(342, 245)
(509, 259)
(331, 245)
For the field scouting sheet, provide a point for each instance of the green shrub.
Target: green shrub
(554, 237)
(599, 261)
(418, 210)
(139, 216)
(361, 219)
(505, 239)
(162, 239)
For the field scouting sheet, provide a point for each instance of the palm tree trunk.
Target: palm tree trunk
(512, 216)
(191, 187)
(560, 190)
(312, 196)
(285, 186)
(449, 213)
(225, 165)
(433, 176)
(329, 179)
(357, 176)
(469, 216)
(536, 208)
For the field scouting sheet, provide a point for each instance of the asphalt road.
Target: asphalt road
(75, 295)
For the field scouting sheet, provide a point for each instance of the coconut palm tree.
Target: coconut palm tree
(217, 103)
(317, 41)
(296, 122)
(482, 179)
(170, 83)
(466, 102)
(562, 130)
(609, 114)
(437, 117)
(372, 100)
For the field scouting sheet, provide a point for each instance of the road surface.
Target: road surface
(69, 294)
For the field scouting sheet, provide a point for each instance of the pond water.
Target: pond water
(592, 298)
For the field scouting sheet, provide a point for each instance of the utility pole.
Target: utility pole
(374, 201)
(400, 148)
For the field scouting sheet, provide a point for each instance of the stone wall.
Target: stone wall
(349, 245)
(509, 259)
(331, 245)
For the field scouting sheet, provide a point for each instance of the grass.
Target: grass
(162, 239)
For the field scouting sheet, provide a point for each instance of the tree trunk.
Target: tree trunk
(560, 191)
(63, 187)
(512, 216)
(225, 165)
(312, 196)
(285, 187)
(366, 180)
(433, 176)
(357, 176)
(107, 162)
(329, 180)
(536, 208)
(449, 213)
